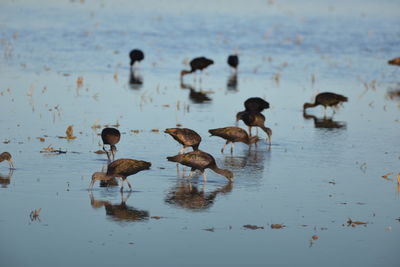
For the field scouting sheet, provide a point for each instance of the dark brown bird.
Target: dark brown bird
(7, 156)
(186, 137)
(253, 104)
(232, 135)
(198, 63)
(252, 119)
(110, 136)
(120, 168)
(136, 55)
(395, 61)
(200, 160)
(233, 61)
(326, 100)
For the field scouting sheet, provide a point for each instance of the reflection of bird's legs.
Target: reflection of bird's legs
(129, 184)
(256, 131)
(222, 149)
(232, 146)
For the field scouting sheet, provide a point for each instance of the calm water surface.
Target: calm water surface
(318, 173)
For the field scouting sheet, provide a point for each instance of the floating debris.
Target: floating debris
(41, 139)
(69, 132)
(209, 229)
(100, 152)
(352, 223)
(50, 149)
(155, 130)
(79, 82)
(252, 227)
(277, 226)
(7, 141)
(135, 131)
(386, 176)
(157, 217)
(34, 215)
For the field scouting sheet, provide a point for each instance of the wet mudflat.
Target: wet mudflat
(325, 193)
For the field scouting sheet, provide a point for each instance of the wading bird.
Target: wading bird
(7, 156)
(136, 55)
(200, 160)
(120, 168)
(186, 137)
(252, 119)
(233, 61)
(110, 136)
(198, 63)
(253, 104)
(232, 135)
(326, 100)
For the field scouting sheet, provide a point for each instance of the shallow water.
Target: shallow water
(316, 175)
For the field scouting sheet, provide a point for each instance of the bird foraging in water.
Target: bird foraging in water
(233, 61)
(136, 55)
(110, 136)
(120, 168)
(326, 100)
(253, 104)
(252, 119)
(186, 137)
(198, 63)
(200, 160)
(7, 156)
(232, 135)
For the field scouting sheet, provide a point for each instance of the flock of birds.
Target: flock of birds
(196, 159)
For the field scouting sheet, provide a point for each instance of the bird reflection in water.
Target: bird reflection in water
(6, 179)
(325, 122)
(120, 212)
(195, 96)
(232, 83)
(188, 196)
(135, 79)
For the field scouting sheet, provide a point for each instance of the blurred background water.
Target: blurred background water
(318, 173)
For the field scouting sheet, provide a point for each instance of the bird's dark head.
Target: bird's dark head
(184, 72)
(228, 174)
(307, 105)
(210, 61)
(239, 115)
(253, 139)
(170, 131)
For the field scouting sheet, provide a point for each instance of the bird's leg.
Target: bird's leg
(256, 131)
(191, 174)
(205, 178)
(222, 149)
(122, 185)
(182, 150)
(249, 130)
(10, 162)
(232, 146)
